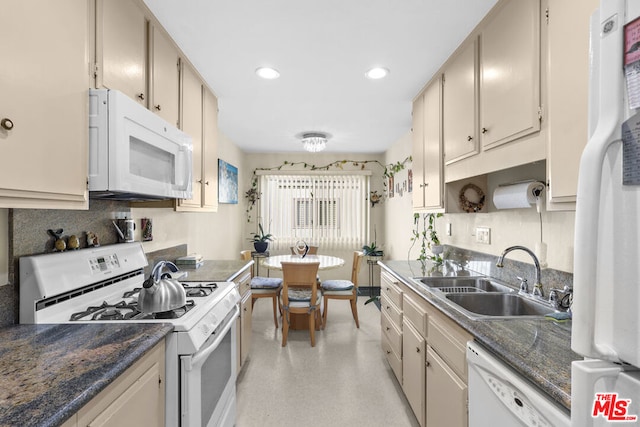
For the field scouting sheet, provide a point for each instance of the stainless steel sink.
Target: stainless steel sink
(481, 297)
(499, 305)
(465, 284)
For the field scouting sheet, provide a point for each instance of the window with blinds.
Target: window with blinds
(331, 211)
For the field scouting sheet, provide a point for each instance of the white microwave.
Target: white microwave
(133, 153)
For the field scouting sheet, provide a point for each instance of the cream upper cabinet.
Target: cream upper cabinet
(165, 76)
(427, 149)
(510, 73)
(417, 152)
(210, 151)
(459, 96)
(199, 111)
(192, 124)
(43, 104)
(121, 48)
(567, 88)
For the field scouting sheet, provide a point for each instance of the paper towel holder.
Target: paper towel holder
(533, 192)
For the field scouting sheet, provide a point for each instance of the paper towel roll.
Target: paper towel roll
(516, 195)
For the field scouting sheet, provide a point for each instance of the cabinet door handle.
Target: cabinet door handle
(388, 328)
(7, 124)
(141, 96)
(388, 352)
(199, 181)
(469, 138)
(158, 108)
(417, 349)
(206, 183)
(428, 363)
(485, 130)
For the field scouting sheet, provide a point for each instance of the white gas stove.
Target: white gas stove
(102, 285)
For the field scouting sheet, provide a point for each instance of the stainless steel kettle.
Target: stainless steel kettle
(160, 292)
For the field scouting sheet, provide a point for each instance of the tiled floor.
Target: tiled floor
(343, 381)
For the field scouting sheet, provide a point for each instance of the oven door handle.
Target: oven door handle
(201, 355)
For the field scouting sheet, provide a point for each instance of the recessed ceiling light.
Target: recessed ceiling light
(267, 73)
(377, 73)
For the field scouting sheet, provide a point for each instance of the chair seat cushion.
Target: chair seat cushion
(337, 285)
(302, 295)
(265, 282)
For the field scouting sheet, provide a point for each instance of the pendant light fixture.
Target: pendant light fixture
(314, 141)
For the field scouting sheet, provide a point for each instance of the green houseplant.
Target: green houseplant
(261, 240)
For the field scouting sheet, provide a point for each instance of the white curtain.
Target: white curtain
(330, 211)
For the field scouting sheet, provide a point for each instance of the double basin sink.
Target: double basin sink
(481, 297)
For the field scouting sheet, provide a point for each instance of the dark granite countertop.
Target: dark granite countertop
(216, 271)
(48, 372)
(539, 349)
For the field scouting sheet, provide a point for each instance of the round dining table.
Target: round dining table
(326, 262)
(298, 321)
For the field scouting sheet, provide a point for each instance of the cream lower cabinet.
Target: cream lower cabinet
(43, 105)
(432, 365)
(414, 357)
(391, 322)
(243, 283)
(447, 397)
(137, 397)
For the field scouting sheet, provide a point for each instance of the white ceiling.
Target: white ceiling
(322, 50)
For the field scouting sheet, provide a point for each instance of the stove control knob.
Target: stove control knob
(205, 329)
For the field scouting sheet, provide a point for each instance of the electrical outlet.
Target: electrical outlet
(483, 235)
(448, 229)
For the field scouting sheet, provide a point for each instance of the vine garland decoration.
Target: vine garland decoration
(390, 170)
(466, 204)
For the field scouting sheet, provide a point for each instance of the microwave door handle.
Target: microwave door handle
(201, 355)
(185, 155)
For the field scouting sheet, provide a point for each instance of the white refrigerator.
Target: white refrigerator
(605, 387)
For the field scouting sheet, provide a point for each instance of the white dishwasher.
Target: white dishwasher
(500, 397)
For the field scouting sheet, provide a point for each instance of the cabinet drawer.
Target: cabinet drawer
(244, 282)
(415, 314)
(392, 311)
(394, 335)
(448, 348)
(390, 289)
(394, 360)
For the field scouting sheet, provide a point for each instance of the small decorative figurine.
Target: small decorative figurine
(74, 242)
(92, 239)
(60, 244)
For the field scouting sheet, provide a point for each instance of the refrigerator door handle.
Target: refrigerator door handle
(607, 50)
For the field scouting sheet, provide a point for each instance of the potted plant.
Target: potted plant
(372, 249)
(261, 240)
(434, 242)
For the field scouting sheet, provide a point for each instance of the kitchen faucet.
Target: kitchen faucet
(537, 286)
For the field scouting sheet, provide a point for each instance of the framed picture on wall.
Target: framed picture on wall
(227, 183)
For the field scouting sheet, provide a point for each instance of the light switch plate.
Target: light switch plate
(483, 235)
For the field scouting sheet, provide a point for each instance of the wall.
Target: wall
(508, 227)
(399, 209)
(262, 160)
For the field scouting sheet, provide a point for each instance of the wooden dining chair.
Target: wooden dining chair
(264, 287)
(343, 289)
(300, 295)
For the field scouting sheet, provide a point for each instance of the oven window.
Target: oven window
(216, 373)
